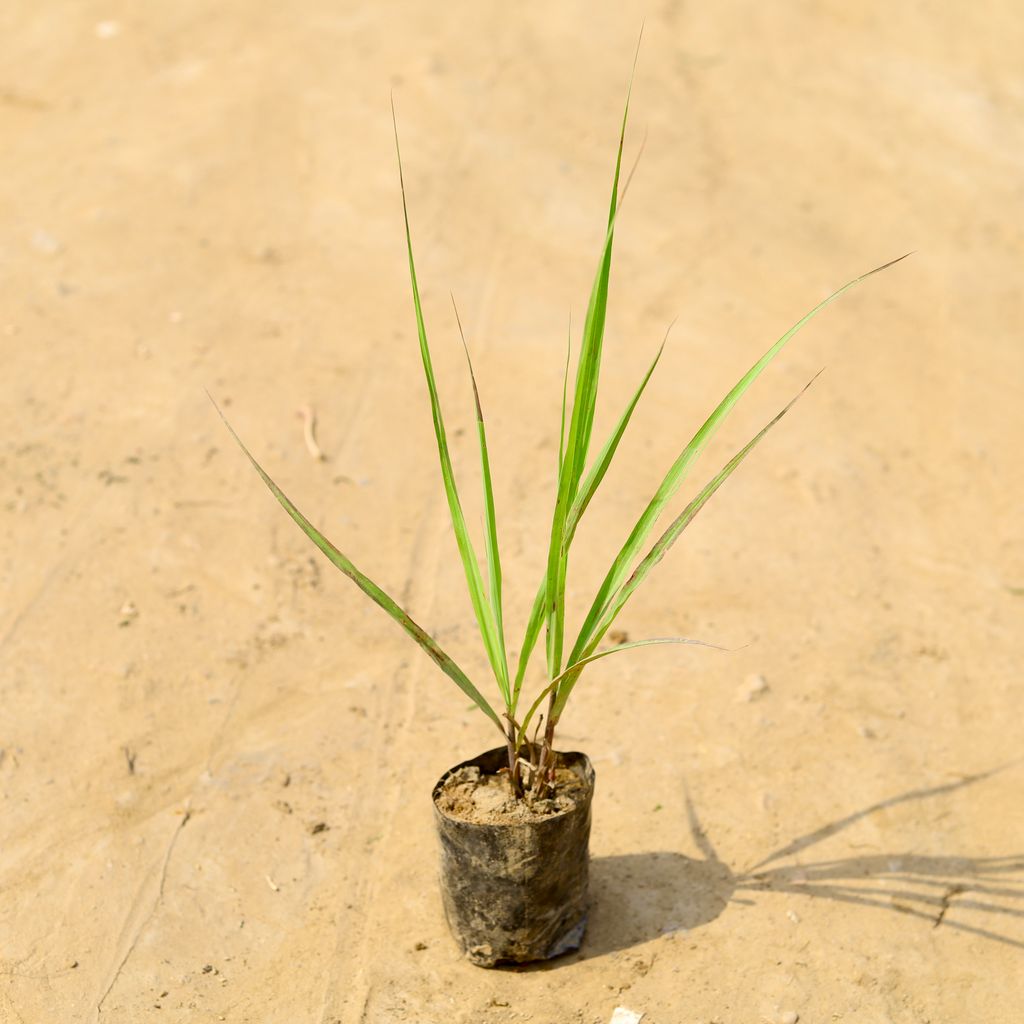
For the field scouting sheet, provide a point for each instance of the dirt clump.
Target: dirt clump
(470, 795)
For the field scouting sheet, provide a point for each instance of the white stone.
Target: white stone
(754, 687)
(624, 1016)
(44, 242)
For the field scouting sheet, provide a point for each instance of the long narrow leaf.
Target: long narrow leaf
(657, 552)
(481, 606)
(490, 520)
(589, 369)
(580, 425)
(576, 668)
(368, 587)
(536, 618)
(676, 474)
(604, 459)
(533, 625)
(565, 393)
(579, 506)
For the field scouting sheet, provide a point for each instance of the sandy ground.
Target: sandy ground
(205, 195)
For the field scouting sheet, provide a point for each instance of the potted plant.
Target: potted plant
(514, 822)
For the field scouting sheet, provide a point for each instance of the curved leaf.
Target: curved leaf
(667, 539)
(375, 593)
(580, 665)
(676, 474)
(485, 614)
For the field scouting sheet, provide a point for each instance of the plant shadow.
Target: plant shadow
(637, 897)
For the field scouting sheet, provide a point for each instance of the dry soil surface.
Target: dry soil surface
(217, 755)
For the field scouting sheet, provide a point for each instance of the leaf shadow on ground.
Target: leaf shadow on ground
(637, 897)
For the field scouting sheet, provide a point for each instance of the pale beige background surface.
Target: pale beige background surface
(205, 195)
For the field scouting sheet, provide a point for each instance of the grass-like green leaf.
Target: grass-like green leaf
(490, 519)
(565, 395)
(600, 466)
(580, 427)
(368, 587)
(587, 491)
(485, 614)
(536, 618)
(657, 552)
(533, 626)
(676, 474)
(589, 368)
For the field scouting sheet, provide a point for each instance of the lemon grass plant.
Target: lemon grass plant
(530, 764)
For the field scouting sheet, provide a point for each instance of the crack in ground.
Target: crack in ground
(947, 898)
(149, 917)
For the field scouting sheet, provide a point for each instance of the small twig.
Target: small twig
(308, 435)
(535, 757)
(273, 885)
(536, 731)
(513, 758)
(546, 766)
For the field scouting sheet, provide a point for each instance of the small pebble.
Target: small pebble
(624, 1016)
(788, 1017)
(44, 242)
(793, 916)
(754, 687)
